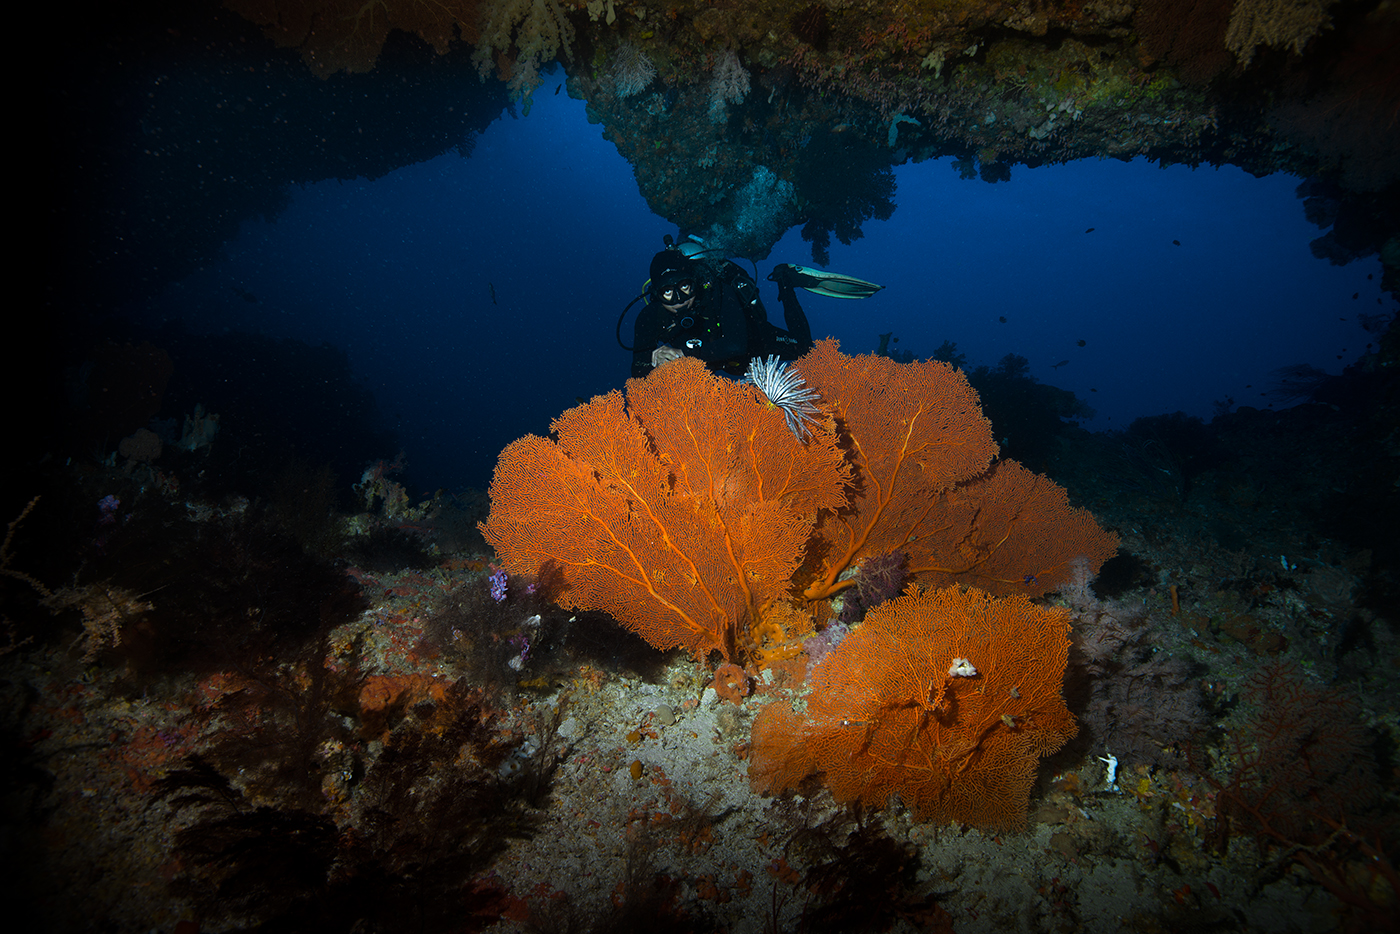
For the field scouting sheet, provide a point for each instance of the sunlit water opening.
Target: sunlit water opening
(478, 297)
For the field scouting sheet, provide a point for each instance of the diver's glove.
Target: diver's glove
(665, 354)
(786, 277)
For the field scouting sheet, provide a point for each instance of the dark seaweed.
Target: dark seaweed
(404, 852)
(858, 878)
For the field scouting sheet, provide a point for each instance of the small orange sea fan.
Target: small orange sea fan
(948, 698)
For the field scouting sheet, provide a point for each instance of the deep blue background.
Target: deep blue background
(399, 273)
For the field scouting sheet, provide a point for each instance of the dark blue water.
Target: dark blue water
(477, 297)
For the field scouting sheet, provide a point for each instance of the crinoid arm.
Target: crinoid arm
(785, 389)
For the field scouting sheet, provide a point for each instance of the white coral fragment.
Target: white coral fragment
(962, 668)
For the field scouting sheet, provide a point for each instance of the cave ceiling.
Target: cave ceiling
(743, 119)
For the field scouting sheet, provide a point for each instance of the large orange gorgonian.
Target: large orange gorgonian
(920, 448)
(682, 511)
(1010, 530)
(949, 698)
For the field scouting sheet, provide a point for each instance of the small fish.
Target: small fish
(1060, 364)
(557, 89)
(1355, 296)
(1082, 342)
(1002, 319)
(245, 295)
(1177, 242)
(1092, 389)
(1090, 230)
(492, 287)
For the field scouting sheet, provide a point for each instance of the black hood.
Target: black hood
(670, 266)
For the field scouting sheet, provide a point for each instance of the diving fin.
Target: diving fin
(832, 284)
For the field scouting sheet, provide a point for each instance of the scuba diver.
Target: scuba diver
(701, 304)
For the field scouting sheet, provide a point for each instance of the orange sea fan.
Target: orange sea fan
(912, 431)
(682, 511)
(920, 451)
(1010, 530)
(889, 712)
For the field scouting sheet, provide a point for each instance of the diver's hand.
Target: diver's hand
(664, 354)
(781, 274)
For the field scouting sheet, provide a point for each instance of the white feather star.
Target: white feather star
(785, 389)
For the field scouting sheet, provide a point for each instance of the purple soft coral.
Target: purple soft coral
(879, 579)
(107, 508)
(498, 584)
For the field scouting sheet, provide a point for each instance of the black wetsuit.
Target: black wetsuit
(726, 327)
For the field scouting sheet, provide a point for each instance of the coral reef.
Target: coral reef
(761, 211)
(843, 182)
(426, 820)
(225, 726)
(688, 523)
(1030, 418)
(422, 742)
(877, 579)
(1187, 34)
